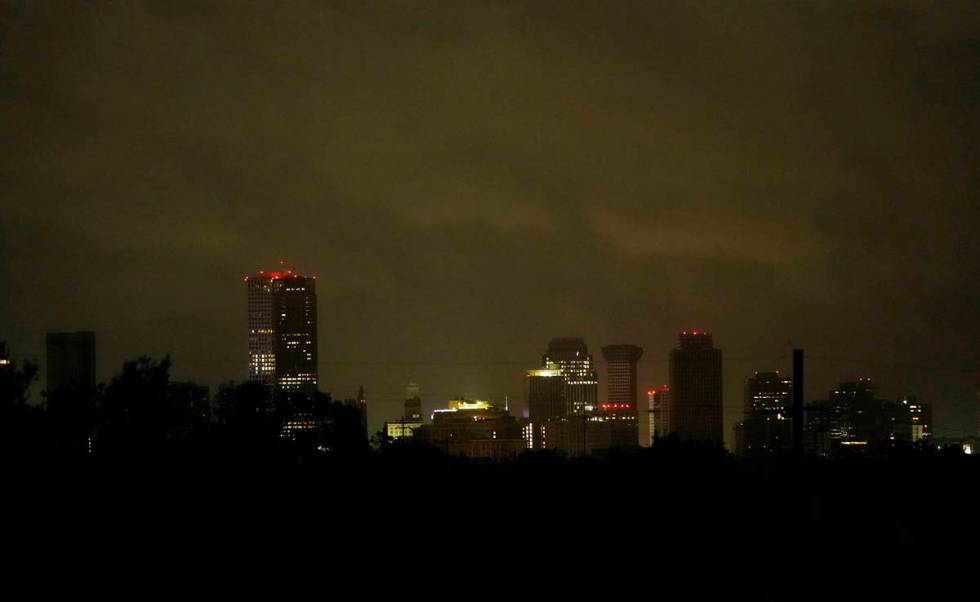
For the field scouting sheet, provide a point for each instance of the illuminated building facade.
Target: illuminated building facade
(694, 409)
(70, 361)
(767, 427)
(298, 425)
(402, 429)
(282, 331)
(581, 382)
(476, 429)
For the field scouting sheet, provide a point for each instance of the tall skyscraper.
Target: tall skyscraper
(621, 374)
(70, 361)
(571, 356)
(282, 335)
(620, 407)
(546, 394)
(694, 405)
(545, 402)
(767, 427)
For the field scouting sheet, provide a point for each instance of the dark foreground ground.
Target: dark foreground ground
(440, 507)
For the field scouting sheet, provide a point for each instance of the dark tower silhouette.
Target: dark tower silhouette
(767, 427)
(694, 405)
(621, 374)
(361, 405)
(546, 394)
(798, 402)
(70, 361)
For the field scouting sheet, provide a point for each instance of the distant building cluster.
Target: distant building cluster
(854, 415)
(565, 410)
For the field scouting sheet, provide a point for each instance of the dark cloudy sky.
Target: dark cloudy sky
(470, 179)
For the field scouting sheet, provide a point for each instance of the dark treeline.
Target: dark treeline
(142, 418)
(157, 441)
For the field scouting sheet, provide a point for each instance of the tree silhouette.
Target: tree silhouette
(22, 425)
(71, 418)
(140, 417)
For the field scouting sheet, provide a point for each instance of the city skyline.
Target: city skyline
(766, 394)
(362, 278)
(492, 176)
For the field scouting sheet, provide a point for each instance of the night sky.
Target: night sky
(470, 179)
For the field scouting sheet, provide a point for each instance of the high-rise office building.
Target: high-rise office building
(571, 356)
(913, 419)
(545, 401)
(621, 374)
(850, 407)
(70, 361)
(546, 394)
(620, 407)
(694, 405)
(767, 426)
(282, 334)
